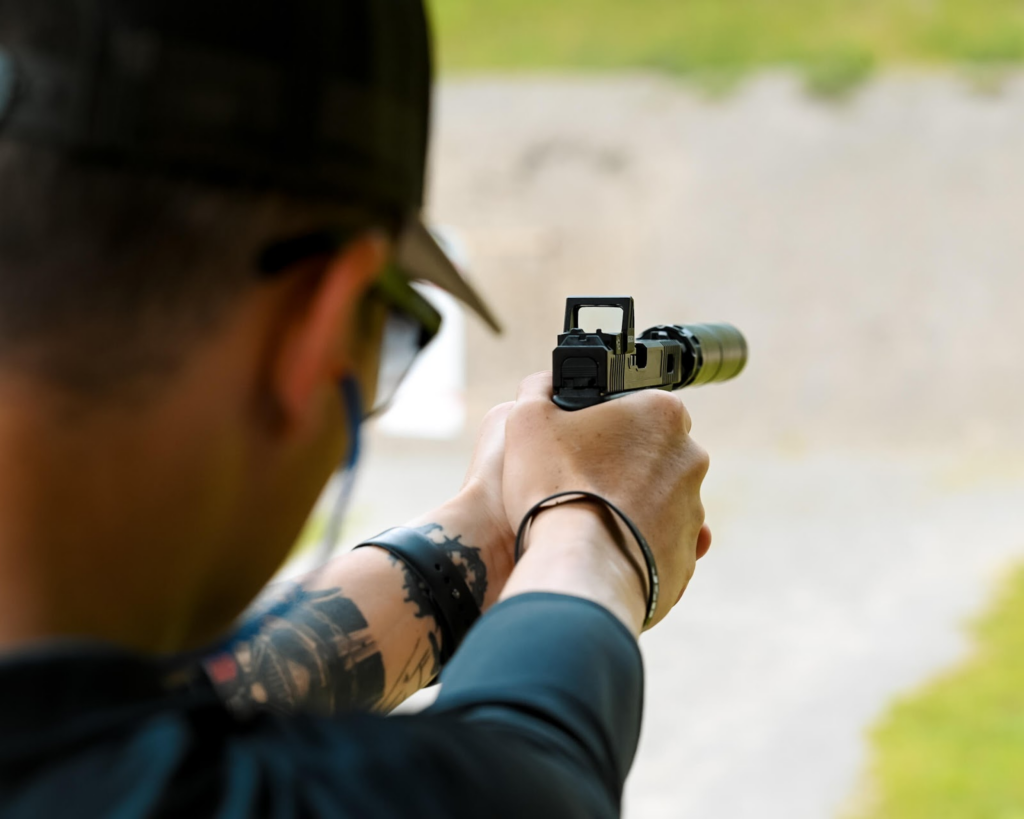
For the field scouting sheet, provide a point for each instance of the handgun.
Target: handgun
(590, 367)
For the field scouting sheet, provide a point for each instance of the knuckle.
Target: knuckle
(536, 383)
(499, 412)
(525, 414)
(701, 460)
(663, 404)
(687, 419)
(514, 419)
(516, 413)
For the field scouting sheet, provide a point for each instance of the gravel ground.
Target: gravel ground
(867, 487)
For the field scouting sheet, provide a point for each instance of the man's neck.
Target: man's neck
(92, 542)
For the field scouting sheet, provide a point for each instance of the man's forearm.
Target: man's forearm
(360, 633)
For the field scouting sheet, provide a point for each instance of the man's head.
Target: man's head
(199, 199)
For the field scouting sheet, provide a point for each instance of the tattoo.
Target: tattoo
(466, 559)
(415, 589)
(313, 650)
(418, 672)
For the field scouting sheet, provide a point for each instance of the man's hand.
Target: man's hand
(476, 515)
(483, 478)
(635, 451)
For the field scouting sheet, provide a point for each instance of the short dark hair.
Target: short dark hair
(107, 273)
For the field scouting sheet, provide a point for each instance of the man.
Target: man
(209, 219)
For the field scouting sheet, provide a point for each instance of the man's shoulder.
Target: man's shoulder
(101, 732)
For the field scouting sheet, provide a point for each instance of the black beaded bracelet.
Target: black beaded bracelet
(645, 549)
(454, 607)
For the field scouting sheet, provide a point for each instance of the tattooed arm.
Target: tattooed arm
(360, 633)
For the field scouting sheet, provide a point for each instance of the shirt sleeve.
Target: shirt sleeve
(554, 686)
(539, 716)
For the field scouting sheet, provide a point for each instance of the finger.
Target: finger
(666, 402)
(492, 431)
(687, 420)
(703, 541)
(490, 441)
(537, 385)
(495, 419)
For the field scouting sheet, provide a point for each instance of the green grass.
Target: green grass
(835, 43)
(955, 750)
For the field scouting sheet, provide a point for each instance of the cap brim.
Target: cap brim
(422, 259)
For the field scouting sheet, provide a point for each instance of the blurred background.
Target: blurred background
(844, 181)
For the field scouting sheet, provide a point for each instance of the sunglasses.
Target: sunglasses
(411, 322)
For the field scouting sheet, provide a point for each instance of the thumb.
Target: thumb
(489, 452)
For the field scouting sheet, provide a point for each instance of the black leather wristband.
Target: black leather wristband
(439, 578)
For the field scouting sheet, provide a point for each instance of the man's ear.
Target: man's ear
(317, 343)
